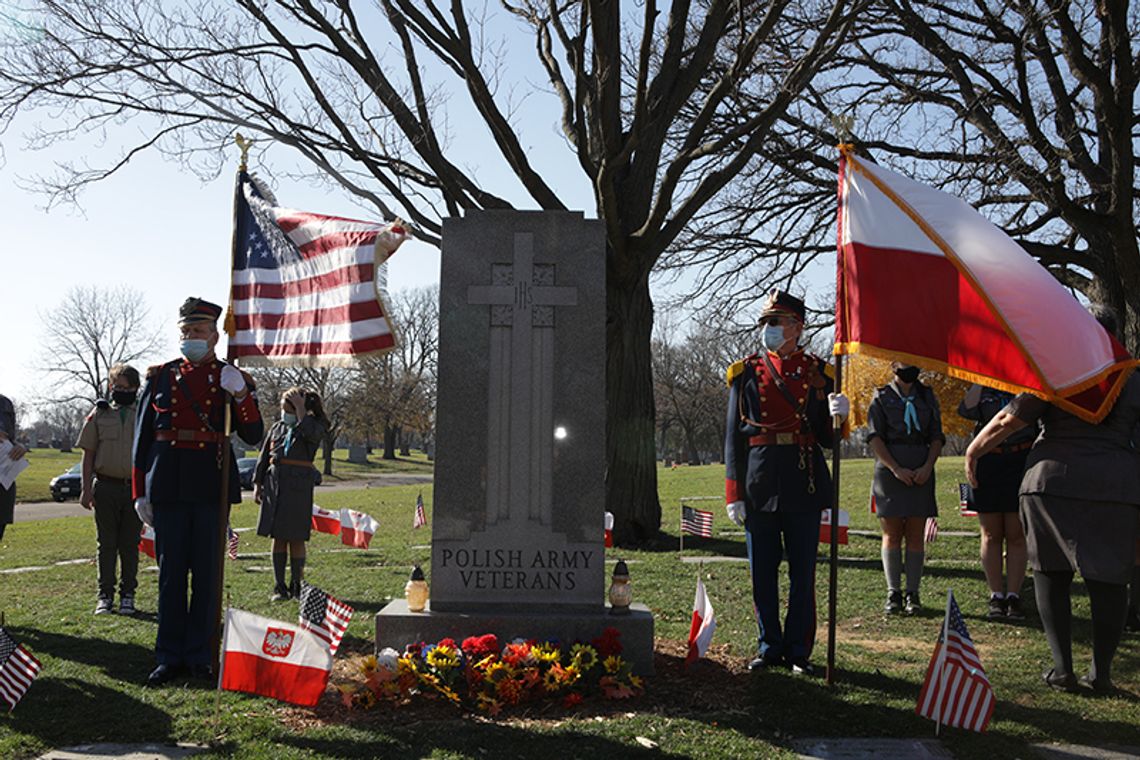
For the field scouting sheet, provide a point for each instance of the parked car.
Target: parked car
(246, 466)
(69, 484)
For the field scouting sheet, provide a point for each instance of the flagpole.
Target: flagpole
(226, 453)
(833, 566)
(941, 667)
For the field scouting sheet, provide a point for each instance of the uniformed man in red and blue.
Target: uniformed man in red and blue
(177, 481)
(780, 409)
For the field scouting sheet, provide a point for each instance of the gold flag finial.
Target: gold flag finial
(244, 145)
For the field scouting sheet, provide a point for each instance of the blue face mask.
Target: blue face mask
(289, 418)
(772, 337)
(195, 349)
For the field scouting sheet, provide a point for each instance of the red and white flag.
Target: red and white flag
(420, 519)
(18, 668)
(306, 287)
(356, 528)
(924, 278)
(609, 529)
(825, 527)
(273, 659)
(146, 541)
(325, 521)
(703, 626)
(956, 691)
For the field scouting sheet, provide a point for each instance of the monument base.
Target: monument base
(397, 627)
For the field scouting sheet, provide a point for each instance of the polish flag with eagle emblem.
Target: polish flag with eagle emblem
(273, 659)
(925, 279)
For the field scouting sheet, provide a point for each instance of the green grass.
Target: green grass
(45, 464)
(93, 666)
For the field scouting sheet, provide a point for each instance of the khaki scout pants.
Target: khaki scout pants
(117, 531)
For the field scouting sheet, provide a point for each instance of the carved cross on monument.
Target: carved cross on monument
(520, 424)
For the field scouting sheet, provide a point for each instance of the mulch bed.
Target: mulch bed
(714, 683)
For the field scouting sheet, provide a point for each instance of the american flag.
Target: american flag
(420, 519)
(956, 691)
(696, 522)
(232, 542)
(17, 670)
(306, 287)
(325, 616)
(965, 496)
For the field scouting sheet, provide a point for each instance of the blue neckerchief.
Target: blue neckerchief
(288, 439)
(910, 415)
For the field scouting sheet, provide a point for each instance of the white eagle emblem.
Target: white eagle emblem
(278, 642)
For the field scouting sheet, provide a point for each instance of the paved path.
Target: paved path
(49, 510)
(125, 752)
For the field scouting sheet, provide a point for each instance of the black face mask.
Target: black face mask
(907, 374)
(124, 398)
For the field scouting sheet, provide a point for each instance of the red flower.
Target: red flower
(573, 699)
(478, 647)
(609, 643)
(448, 643)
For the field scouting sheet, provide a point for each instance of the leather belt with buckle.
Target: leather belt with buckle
(781, 439)
(199, 436)
(294, 462)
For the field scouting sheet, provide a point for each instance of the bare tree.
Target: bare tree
(64, 420)
(1025, 109)
(659, 111)
(85, 335)
(395, 392)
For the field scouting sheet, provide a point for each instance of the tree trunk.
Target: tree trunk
(390, 441)
(631, 467)
(403, 437)
(327, 445)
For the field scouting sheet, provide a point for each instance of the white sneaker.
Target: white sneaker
(104, 606)
(127, 604)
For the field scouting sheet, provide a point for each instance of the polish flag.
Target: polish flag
(356, 528)
(146, 541)
(825, 526)
(925, 279)
(703, 626)
(273, 659)
(325, 521)
(609, 529)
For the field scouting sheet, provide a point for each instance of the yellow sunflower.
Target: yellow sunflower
(612, 664)
(497, 672)
(443, 658)
(584, 656)
(368, 665)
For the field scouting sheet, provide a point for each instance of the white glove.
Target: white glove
(736, 512)
(838, 405)
(232, 380)
(144, 510)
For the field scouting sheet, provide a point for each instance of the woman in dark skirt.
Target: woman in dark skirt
(283, 485)
(995, 501)
(905, 434)
(1080, 501)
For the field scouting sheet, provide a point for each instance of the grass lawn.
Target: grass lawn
(45, 464)
(90, 690)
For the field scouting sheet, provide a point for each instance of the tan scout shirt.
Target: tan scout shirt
(109, 432)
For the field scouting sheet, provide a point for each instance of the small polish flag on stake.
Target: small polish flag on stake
(356, 528)
(273, 659)
(146, 541)
(703, 625)
(825, 526)
(325, 521)
(609, 529)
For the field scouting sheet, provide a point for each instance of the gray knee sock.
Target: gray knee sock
(914, 562)
(892, 567)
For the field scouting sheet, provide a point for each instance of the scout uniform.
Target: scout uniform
(908, 424)
(178, 469)
(999, 472)
(777, 422)
(108, 432)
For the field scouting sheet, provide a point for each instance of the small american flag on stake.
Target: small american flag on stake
(965, 496)
(325, 616)
(232, 542)
(420, 519)
(696, 522)
(956, 691)
(18, 668)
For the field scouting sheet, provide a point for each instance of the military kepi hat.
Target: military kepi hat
(781, 304)
(196, 310)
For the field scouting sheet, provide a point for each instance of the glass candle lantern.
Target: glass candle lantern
(416, 590)
(621, 593)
